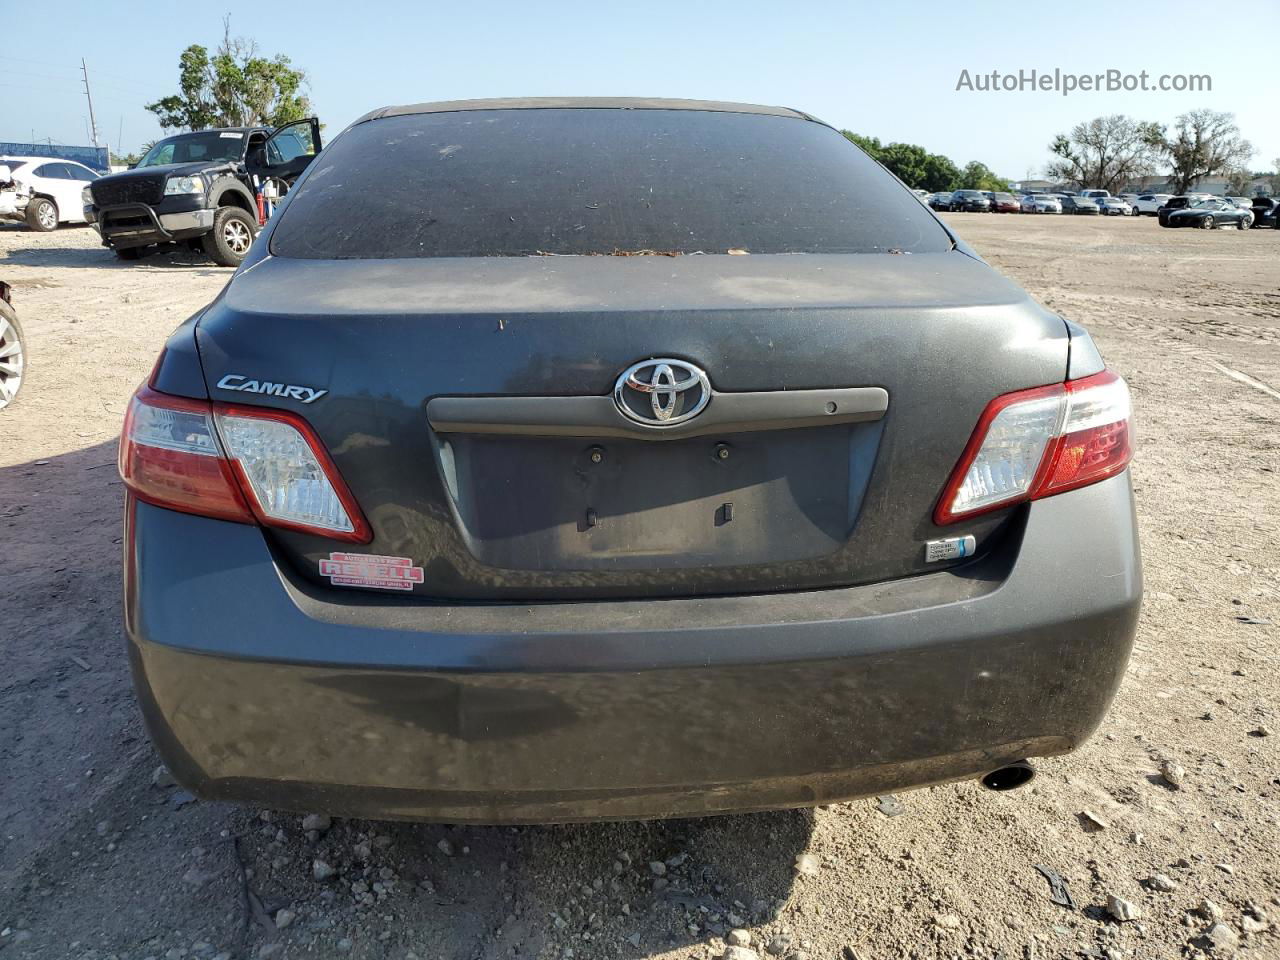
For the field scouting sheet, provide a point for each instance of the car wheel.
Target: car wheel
(1206, 223)
(42, 215)
(1246, 221)
(13, 355)
(231, 236)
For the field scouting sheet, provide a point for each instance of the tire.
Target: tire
(42, 215)
(1206, 223)
(229, 240)
(13, 362)
(1246, 222)
(128, 253)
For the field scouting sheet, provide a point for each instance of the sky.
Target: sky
(884, 70)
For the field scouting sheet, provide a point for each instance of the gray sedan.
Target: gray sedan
(621, 458)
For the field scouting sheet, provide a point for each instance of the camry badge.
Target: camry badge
(233, 381)
(662, 393)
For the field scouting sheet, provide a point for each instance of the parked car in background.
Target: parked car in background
(1093, 194)
(941, 200)
(1211, 214)
(1148, 204)
(1041, 203)
(1004, 203)
(771, 531)
(13, 348)
(1114, 207)
(1174, 204)
(1266, 212)
(43, 191)
(1243, 202)
(1129, 198)
(972, 201)
(1080, 205)
(199, 189)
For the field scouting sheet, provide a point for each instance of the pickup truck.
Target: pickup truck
(200, 189)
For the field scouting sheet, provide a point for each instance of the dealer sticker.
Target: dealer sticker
(367, 570)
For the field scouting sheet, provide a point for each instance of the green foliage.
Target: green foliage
(1205, 143)
(917, 167)
(977, 176)
(236, 87)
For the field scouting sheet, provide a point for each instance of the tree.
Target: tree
(1238, 182)
(1106, 152)
(940, 174)
(978, 176)
(870, 145)
(234, 88)
(1275, 178)
(910, 163)
(1207, 143)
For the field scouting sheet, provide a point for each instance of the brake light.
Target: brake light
(1035, 443)
(245, 464)
(170, 457)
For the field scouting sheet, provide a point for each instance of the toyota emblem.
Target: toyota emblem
(662, 393)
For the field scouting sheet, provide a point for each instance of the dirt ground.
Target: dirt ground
(98, 861)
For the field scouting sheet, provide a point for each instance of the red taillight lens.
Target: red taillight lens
(170, 457)
(1035, 443)
(246, 464)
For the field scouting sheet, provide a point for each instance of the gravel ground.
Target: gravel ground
(101, 856)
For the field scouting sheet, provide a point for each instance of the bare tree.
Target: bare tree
(1105, 152)
(1238, 182)
(1206, 143)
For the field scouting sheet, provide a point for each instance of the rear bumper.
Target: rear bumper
(13, 205)
(258, 689)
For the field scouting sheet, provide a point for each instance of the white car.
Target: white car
(1114, 207)
(45, 191)
(1041, 203)
(1149, 203)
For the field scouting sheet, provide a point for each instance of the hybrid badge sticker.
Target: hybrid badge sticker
(368, 570)
(952, 548)
(233, 381)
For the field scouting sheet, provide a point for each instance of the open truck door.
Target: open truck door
(289, 150)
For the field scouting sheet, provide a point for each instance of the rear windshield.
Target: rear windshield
(597, 181)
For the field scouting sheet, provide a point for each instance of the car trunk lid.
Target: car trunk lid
(908, 348)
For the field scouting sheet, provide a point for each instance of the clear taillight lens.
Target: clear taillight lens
(1005, 464)
(283, 472)
(244, 464)
(1038, 442)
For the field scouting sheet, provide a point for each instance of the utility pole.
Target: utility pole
(92, 122)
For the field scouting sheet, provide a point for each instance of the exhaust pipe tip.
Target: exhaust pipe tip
(1011, 777)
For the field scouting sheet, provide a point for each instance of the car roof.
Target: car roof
(587, 103)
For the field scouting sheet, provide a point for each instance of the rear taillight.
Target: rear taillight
(246, 464)
(1035, 443)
